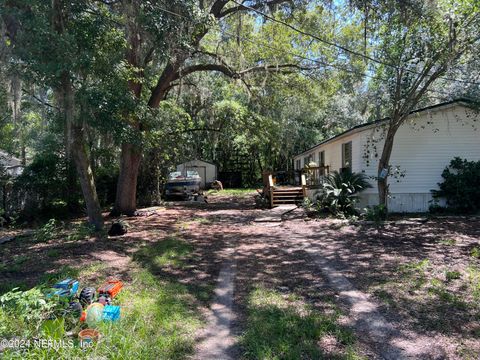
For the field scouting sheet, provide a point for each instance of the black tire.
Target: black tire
(86, 296)
(75, 309)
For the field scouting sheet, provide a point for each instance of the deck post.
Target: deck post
(270, 189)
(304, 186)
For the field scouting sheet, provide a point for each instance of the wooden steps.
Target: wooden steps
(286, 195)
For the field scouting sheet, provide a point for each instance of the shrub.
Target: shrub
(376, 213)
(460, 186)
(27, 309)
(340, 192)
(47, 232)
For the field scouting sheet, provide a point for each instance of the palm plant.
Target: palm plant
(340, 191)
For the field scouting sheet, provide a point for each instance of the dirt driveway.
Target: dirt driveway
(303, 288)
(412, 289)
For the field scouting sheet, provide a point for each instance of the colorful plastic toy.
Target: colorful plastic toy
(110, 289)
(67, 287)
(94, 314)
(86, 296)
(88, 336)
(111, 313)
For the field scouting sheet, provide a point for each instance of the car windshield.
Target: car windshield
(175, 175)
(192, 173)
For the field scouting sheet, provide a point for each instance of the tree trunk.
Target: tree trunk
(85, 175)
(126, 198)
(78, 151)
(384, 166)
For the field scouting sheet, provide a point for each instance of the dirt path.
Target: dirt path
(365, 316)
(218, 341)
(260, 258)
(321, 261)
(328, 265)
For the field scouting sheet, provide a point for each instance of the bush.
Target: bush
(47, 232)
(340, 192)
(376, 213)
(26, 310)
(460, 186)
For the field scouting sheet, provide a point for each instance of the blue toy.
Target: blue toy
(67, 287)
(111, 313)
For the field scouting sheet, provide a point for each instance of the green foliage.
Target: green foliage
(475, 252)
(474, 281)
(233, 192)
(376, 213)
(460, 186)
(29, 308)
(281, 327)
(48, 231)
(81, 231)
(340, 192)
(452, 275)
(170, 252)
(448, 242)
(147, 305)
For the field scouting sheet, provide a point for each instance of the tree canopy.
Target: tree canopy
(94, 87)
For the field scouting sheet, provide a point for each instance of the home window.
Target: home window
(347, 156)
(321, 158)
(298, 164)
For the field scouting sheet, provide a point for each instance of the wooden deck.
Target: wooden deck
(283, 195)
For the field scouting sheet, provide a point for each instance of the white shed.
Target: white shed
(206, 170)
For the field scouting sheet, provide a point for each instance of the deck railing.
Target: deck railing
(315, 175)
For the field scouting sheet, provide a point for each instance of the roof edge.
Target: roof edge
(467, 103)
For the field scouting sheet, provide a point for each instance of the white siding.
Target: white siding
(333, 153)
(423, 147)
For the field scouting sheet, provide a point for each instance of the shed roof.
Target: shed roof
(203, 161)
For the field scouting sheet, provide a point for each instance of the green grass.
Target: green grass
(158, 321)
(452, 275)
(53, 253)
(414, 273)
(475, 252)
(232, 192)
(159, 315)
(171, 252)
(184, 225)
(448, 242)
(474, 281)
(283, 327)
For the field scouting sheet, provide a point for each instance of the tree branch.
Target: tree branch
(40, 100)
(192, 130)
(228, 71)
(250, 7)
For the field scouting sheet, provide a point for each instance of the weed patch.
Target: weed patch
(170, 252)
(283, 327)
(448, 242)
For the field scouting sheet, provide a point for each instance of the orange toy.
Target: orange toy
(111, 288)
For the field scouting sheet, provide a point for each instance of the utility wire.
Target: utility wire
(341, 47)
(282, 51)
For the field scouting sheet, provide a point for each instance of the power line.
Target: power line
(341, 47)
(310, 59)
